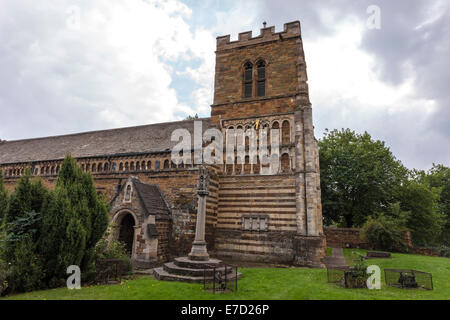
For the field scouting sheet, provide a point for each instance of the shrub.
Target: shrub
(108, 248)
(444, 251)
(24, 272)
(356, 276)
(384, 233)
(3, 277)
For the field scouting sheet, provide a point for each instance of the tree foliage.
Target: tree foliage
(22, 219)
(73, 221)
(386, 230)
(424, 221)
(47, 231)
(25, 268)
(437, 181)
(22, 228)
(359, 176)
(3, 200)
(194, 117)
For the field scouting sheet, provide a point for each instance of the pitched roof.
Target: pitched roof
(151, 198)
(140, 139)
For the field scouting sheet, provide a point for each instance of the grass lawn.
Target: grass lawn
(268, 283)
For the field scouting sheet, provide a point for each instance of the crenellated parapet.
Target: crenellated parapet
(291, 30)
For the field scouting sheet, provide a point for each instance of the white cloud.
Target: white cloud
(346, 91)
(112, 71)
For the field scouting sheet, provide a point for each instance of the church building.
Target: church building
(260, 82)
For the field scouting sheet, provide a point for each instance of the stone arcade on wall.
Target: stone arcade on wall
(260, 82)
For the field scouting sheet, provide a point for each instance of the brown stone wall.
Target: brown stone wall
(254, 108)
(340, 237)
(164, 232)
(271, 246)
(431, 252)
(173, 181)
(183, 231)
(10, 183)
(309, 251)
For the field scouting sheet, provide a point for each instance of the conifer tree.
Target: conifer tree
(20, 200)
(75, 218)
(28, 196)
(22, 226)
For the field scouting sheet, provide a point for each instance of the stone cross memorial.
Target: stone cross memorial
(199, 251)
(197, 266)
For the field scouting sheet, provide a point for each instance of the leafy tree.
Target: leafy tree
(358, 176)
(425, 220)
(438, 179)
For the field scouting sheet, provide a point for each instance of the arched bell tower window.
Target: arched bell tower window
(261, 80)
(248, 80)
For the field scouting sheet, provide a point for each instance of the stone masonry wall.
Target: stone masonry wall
(164, 232)
(341, 237)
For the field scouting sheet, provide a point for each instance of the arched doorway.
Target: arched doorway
(126, 232)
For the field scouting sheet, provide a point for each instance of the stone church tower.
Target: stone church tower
(262, 80)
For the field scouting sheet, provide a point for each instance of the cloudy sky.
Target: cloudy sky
(69, 66)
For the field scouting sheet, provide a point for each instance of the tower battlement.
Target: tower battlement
(291, 30)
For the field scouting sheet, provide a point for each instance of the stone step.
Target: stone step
(172, 268)
(185, 262)
(161, 274)
(143, 271)
(144, 264)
